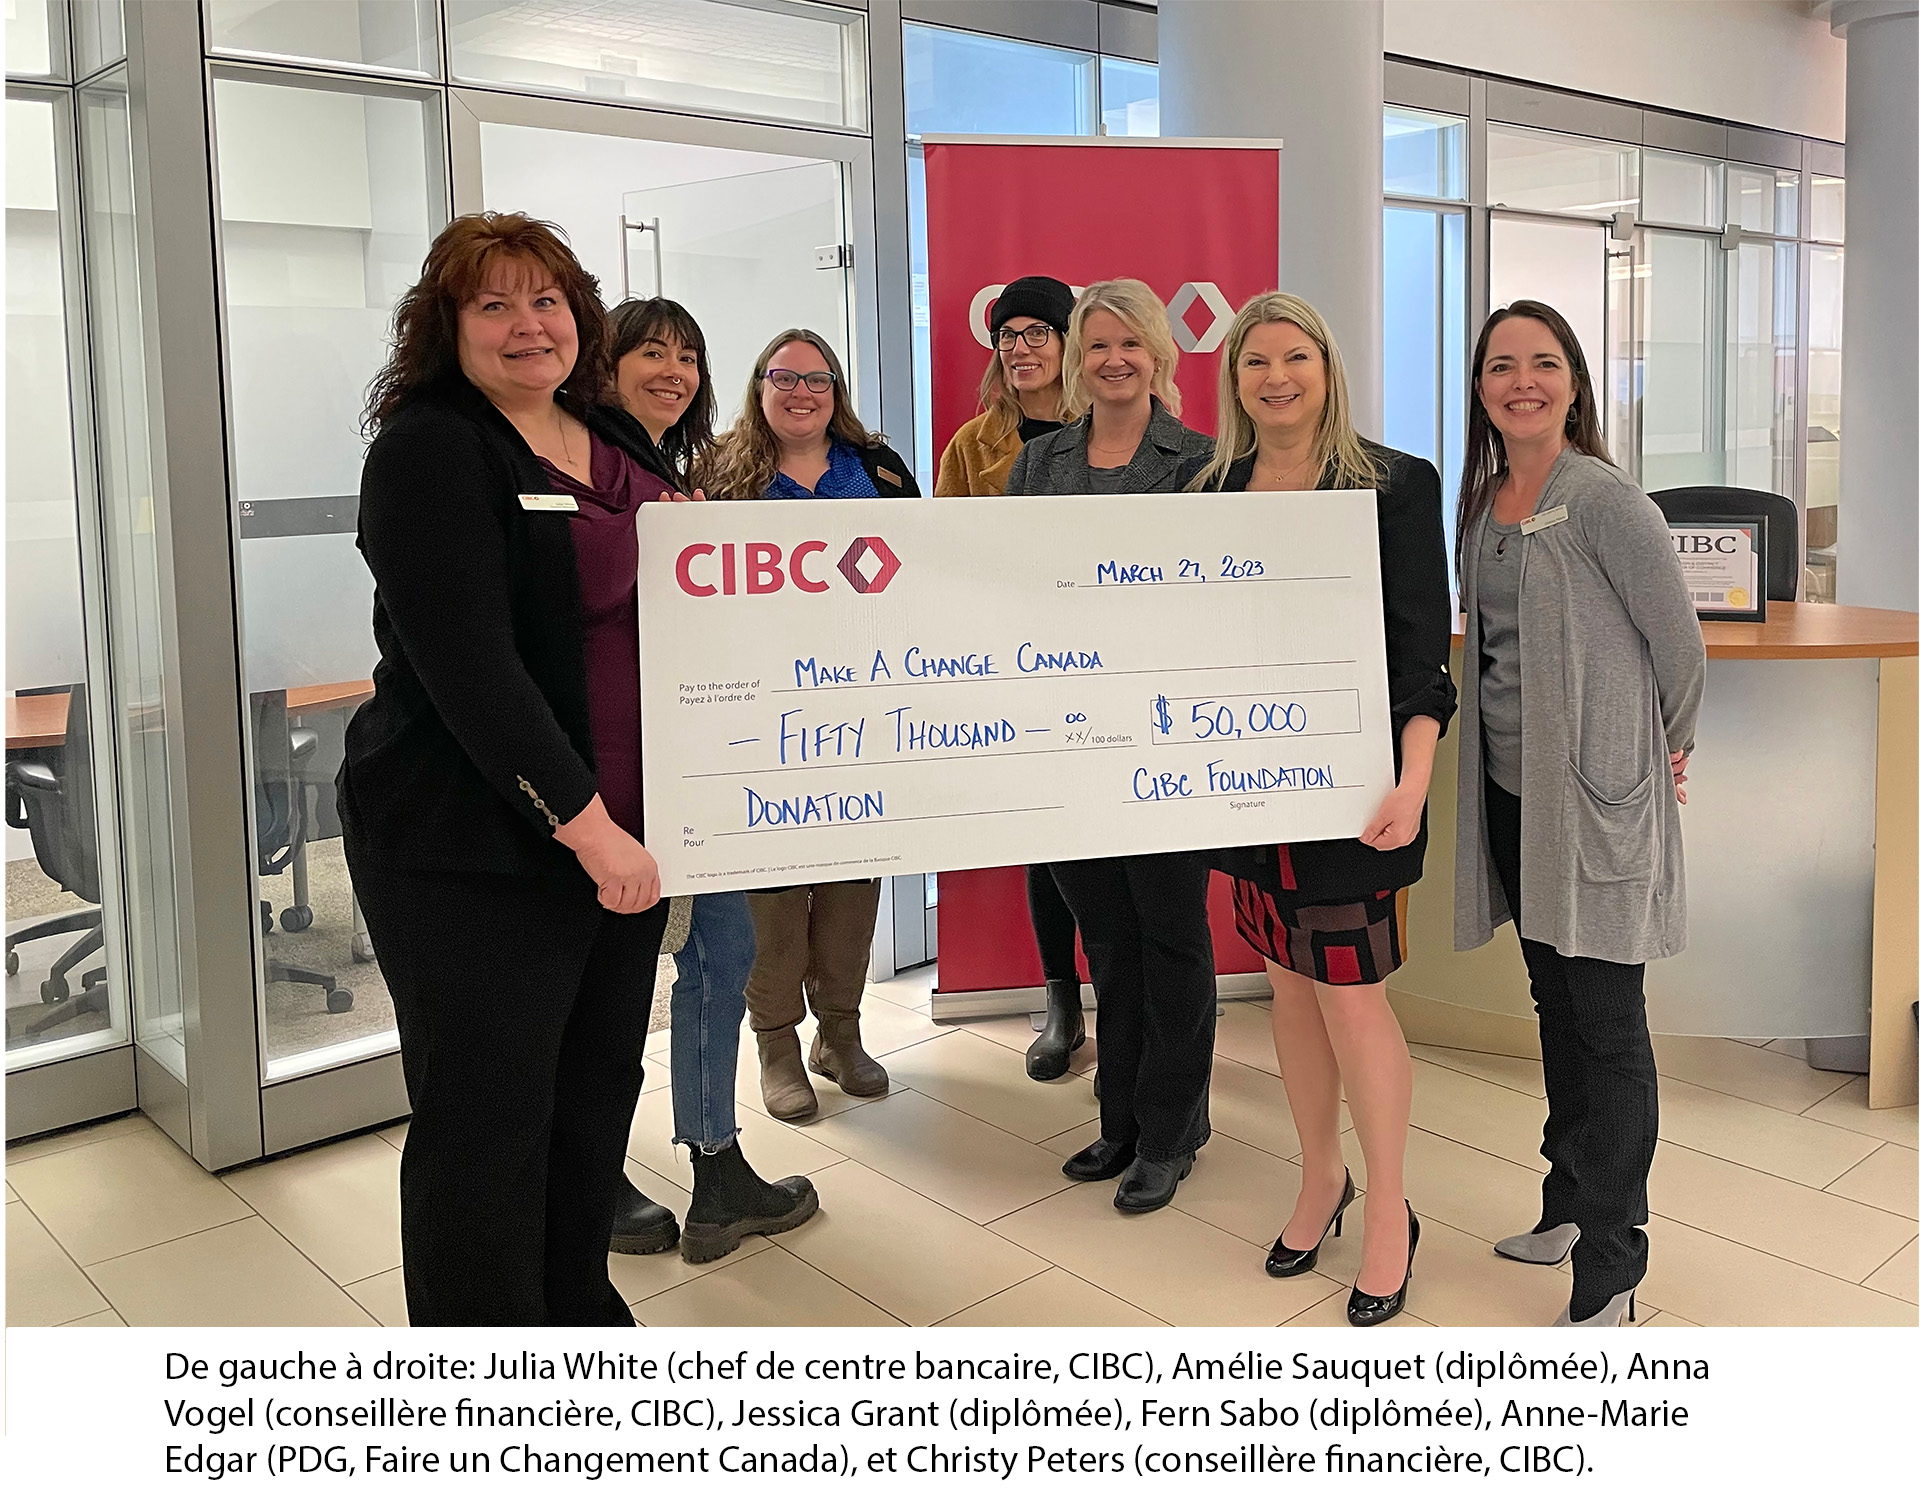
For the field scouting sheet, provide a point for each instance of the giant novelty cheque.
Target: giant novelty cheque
(844, 689)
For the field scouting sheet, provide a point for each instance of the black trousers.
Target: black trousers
(1053, 927)
(1603, 1096)
(1143, 919)
(522, 1006)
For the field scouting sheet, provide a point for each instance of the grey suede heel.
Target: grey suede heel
(1549, 1247)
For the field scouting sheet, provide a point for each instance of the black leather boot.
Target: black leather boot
(1066, 1030)
(641, 1225)
(731, 1203)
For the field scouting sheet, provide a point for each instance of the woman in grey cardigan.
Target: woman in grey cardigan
(1143, 918)
(1579, 688)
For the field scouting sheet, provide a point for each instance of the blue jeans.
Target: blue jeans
(709, 999)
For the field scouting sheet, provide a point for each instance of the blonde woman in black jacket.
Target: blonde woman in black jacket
(1330, 917)
(1143, 918)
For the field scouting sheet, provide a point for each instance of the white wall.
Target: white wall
(1758, 62)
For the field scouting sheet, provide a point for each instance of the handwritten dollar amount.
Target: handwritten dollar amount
(1197, 720)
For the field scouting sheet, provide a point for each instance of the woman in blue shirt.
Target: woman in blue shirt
(799, 438)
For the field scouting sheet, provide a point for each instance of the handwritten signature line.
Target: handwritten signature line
(1272, 791)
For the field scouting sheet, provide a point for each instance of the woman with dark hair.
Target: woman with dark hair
(659, 359)
(1329, 917)
(799, 438)
(1143, 917)
(490, 795)
(1569, 819)
(1021, 394)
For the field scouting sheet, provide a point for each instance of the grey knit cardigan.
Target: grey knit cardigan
(1611, 672)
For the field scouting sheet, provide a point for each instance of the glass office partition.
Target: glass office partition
(773, 59)
(35, 32)
(137, 607)
(1538, 170)
(1826, 281)
(386, 34)
(1424, 320)
(66, 987)
(1423, 154)
(1763, 302)
(1129, 97)
(1828, 208)
(1763, 199)
(328, 197)
(99, 35)
(1677, 190)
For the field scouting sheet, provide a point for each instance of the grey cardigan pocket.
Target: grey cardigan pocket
(1614, 839)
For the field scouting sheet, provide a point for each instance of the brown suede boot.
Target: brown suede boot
(838, 1055)
(783, 1078)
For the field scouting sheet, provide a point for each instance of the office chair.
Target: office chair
(50, 794)
(281, 755)
(1708, 504)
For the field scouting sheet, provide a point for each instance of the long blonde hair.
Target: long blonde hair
(1335, 443)
(745, 460)
(1138, 308)
(999, 403)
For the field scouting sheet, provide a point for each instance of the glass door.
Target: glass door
(1678, 314)
(750, 255)
(753, 228)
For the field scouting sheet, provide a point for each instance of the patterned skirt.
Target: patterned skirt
(1337, 943)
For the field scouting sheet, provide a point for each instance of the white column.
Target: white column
(1879, 450)
(1308, 72)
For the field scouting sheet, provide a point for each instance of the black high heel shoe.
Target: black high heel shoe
(1284, 1262)
(1370, 1310)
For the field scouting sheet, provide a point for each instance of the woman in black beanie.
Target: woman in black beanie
(1020, 398)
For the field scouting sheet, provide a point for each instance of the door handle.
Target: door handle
(646, 227)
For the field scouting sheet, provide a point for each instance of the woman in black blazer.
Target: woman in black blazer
(1330, 916)
(491, 791)
(1143, 918)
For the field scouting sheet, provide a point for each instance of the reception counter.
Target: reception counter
(1800, 826)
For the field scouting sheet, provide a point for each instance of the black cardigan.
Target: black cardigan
(1419, 630)
(892, 477)
(476, 743)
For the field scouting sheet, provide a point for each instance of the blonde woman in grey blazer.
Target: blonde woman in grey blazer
(1579, 689)
(1143, 918)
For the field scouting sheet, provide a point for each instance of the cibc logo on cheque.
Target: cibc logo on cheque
(754, 567)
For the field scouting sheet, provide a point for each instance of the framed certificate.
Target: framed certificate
(1725, 564)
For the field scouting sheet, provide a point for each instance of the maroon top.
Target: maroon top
(607, 553)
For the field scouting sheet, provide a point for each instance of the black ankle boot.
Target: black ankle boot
(641, 1225)
(1065, 1031)
(731, 1203)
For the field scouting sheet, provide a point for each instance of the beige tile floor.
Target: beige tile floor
(1778, 1199)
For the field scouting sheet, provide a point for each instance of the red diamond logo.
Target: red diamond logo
(888, 564)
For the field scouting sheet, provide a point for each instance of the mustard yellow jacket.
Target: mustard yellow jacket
(970, 467)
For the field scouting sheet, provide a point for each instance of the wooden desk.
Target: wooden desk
(40, 722)
(1808, 632)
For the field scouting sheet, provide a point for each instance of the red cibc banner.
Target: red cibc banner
(1199, 223)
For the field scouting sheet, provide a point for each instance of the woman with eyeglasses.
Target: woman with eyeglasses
(1020, 400)
(659, 358)
(799, 438)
